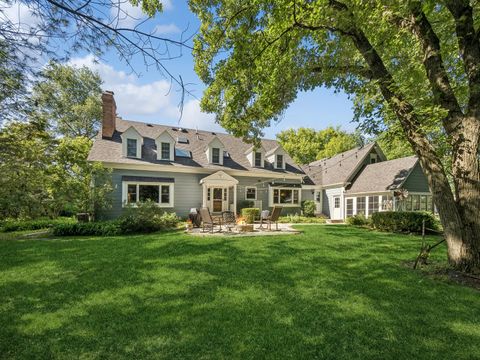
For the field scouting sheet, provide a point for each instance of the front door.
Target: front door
(217, 200)
(337, 213)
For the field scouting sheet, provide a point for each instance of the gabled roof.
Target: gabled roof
(339, 169)
(110, 150)
(383, 176)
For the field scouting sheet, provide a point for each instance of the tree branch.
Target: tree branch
(469, 45)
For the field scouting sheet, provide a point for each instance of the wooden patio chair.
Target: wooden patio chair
(273, 217)
(229, 220)
(209, 221)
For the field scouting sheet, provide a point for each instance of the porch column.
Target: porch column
(204, 201)
(235, 199)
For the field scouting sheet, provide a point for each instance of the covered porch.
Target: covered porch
(219, 192)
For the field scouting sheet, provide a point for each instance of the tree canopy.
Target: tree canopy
(305, 145)
(411, 64)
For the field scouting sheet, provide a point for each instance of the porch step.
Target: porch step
(330, 221)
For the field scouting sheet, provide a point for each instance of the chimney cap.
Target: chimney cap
(110, 92)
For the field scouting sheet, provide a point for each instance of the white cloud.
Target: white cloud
(194, 118)
(19, 15)
(154, 100)
(166, 29)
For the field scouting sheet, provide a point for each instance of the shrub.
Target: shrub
(100, 228)
(146, 217)
(244, 204)
(250, 214)
(298, 219)
(309, 208)
(19, 225)
(358, 220)
(403, 221)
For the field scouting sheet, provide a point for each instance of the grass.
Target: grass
(332, 292)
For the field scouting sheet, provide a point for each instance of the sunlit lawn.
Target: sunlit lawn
(331, 292)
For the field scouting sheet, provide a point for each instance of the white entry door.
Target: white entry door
(218, 199)
(337, 213)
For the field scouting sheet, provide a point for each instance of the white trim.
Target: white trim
(191, 170)
(251, 187)
(366, 193)
(171, 186)
(270, 196)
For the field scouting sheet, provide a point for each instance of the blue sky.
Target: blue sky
(147, 97)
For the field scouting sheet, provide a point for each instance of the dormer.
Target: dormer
(276, 157)
(165, 146)
(214, 151)
(256, 156)
(132, 143)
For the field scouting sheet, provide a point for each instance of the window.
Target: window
(182, 140)
(429, 203)
(373, 158)
(318, 196)
(387, 203)
(279, 161)
(132, 147)
(415, 202)
(183, 153)
(132, 194)
(423, 203)
(165, 151)
(361, 205)
(251, 193)
(258, 159)
(408, 203)
(286, 196)
(336, 202)
(162, 194)
(148, 192)
(208, 194)
(372, 204)
(349, 207)
(216, 155)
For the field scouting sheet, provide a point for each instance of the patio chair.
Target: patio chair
(273, 217)
(209, 221)
(229, 219)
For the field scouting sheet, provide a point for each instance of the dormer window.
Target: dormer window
(216, 155)
(258, 159)
(132, 147)
(373, 158)
(165, 146)
(165, 151)
(279, 161)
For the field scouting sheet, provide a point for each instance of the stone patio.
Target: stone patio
(283, 229)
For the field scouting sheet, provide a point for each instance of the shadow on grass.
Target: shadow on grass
(332, 292)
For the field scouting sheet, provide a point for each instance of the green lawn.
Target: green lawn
(331, 292)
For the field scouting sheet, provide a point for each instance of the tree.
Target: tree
(414, 63)
(69, 99)
(12, 83)
(306, 145)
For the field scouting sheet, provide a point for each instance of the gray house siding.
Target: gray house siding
(188, 193)
(416, 181)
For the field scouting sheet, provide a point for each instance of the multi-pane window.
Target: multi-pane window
(286, 196)
(361, 203)
(132, 147)
(251, 193)
(349, 207)
(372, 204)
(216, 155)
(158, 193)
(279, 161)
(429, 203)
(165, 151)
(336, 202)
(415, 202)
(258, 159)
(387, 203)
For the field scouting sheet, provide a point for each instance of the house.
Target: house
(363, 181)
(181, 169)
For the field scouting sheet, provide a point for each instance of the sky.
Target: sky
(147, 95)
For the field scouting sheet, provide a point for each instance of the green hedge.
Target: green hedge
(100, 228)
(21, 225)
(250, 214)
(403, 221)
(309, 208)
(358, 220)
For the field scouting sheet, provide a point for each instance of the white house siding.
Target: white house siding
(328, 204)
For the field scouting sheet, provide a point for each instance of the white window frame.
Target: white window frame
(136, 148)
(159, 184)
(169, 151)
(277, 165)
(219, 162)
(246, 190)
(255, 159)
(273, 188)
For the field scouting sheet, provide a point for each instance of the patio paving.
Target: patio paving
(257, 231)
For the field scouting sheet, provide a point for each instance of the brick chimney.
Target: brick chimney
(109, 114)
